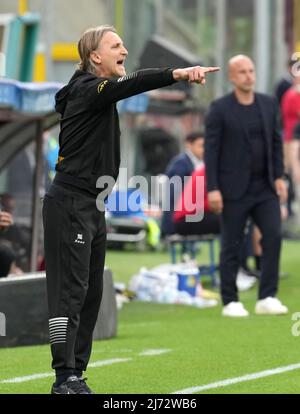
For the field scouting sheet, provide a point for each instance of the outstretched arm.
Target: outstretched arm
(103, 92)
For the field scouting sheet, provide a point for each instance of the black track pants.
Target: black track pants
(262, 204)
(75, 242)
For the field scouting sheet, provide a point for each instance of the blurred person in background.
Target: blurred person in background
(290, 108)
(282, 87)
(295, 162)
(244, 167)
(16, 236)
(7, 256)
(190, 203)
(193, 202)
(182, 166)
(286, 82)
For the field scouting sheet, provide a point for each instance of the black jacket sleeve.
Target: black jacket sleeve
(277, 144)
(213, 134)
(103, 92)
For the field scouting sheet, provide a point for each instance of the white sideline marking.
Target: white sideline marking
(112, 351)
(95, 364)
(27, 378)
(153, 352)
(236, 380)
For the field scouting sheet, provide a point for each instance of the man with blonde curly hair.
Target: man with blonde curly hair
(75, 234)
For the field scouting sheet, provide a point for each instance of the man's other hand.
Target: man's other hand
(281, 190)
(215, 201)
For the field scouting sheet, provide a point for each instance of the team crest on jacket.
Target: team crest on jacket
(101, 86)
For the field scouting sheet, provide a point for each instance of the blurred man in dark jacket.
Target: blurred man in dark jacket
(244, 164)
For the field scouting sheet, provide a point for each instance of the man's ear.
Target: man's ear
(95, 57)
(231, 76)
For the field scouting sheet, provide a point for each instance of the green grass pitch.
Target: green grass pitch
(200, 346)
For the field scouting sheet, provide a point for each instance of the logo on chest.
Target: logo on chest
(79, 239)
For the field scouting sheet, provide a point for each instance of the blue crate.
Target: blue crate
(134, 104)
(188, 279)
(10, 93)
(38, 97)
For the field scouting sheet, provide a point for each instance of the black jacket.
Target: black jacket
(228, 151)
(90, 135)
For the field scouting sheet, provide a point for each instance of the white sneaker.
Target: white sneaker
(270, 306)
(235, 309)
(244, 281)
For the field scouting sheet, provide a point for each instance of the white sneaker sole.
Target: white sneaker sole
(270, 312)
(235, 316)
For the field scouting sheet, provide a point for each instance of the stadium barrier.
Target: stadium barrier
(23, 302)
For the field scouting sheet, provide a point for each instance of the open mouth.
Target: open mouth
(121, 62)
